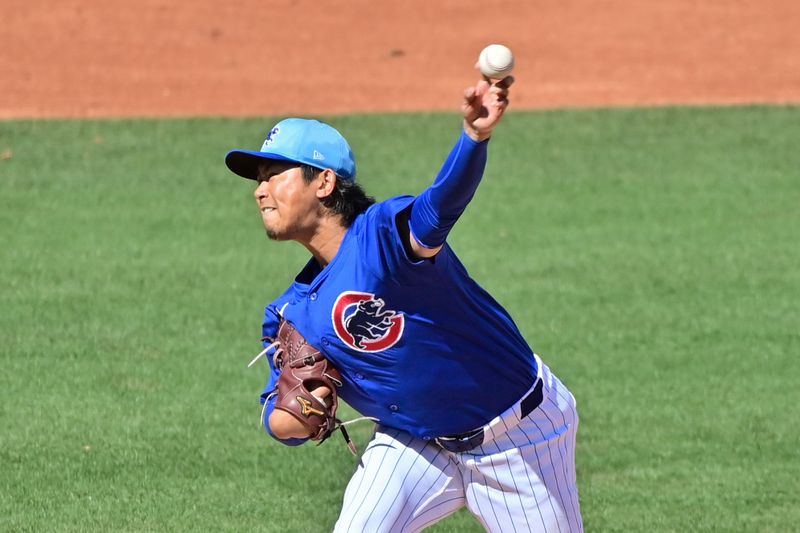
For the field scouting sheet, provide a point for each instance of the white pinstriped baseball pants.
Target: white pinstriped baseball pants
(522, 478)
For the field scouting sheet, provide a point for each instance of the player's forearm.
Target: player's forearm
(436, 210)
(282, 427)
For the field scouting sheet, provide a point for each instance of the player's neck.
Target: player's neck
(325, 242)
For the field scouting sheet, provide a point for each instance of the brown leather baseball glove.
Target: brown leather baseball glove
(304, 369)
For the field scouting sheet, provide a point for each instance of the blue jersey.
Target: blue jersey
(420, 345)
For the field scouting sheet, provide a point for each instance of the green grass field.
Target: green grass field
(652, 257)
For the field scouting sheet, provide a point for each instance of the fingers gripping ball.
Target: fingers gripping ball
(303, 370)
(496, 61)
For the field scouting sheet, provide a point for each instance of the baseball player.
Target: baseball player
(386, 316)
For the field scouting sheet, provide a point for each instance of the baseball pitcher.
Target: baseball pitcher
(385, 316)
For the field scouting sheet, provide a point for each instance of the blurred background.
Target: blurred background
(85, 58)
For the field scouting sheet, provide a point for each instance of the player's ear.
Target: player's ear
(326, 183)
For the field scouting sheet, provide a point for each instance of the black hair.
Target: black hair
(348, 200)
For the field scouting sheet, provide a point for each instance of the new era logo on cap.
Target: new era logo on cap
(299, 140)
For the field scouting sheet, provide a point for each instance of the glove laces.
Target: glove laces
(276, 361)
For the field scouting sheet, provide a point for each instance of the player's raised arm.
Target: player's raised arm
(437, 209)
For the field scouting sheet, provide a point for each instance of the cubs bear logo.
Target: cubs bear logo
(362, 322)
(273, 133)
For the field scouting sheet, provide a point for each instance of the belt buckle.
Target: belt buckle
(463, 442)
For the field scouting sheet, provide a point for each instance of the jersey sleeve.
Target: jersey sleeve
(380, 238)
(437, 209)
(269, 330)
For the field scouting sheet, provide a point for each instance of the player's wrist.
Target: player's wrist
(475, 134)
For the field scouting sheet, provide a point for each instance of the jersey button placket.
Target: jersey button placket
(312, 296)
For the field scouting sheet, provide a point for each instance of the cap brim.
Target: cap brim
(245, 162)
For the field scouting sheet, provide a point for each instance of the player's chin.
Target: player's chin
(274, 235)
(275, 231)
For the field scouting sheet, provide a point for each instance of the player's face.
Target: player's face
(288, 205)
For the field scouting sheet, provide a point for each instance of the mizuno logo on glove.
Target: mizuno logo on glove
(306, 408)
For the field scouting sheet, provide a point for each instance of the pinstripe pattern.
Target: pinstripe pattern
(522, 478)
(402, 484)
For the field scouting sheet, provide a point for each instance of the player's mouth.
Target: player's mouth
(267, 209)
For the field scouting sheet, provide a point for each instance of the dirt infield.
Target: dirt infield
(85, 58)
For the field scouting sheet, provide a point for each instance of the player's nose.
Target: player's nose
(261, 190)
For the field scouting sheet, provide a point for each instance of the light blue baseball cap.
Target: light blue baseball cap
(310, 142)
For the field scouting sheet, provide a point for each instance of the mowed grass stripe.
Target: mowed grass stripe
(650, 256)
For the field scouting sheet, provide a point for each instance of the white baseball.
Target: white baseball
(496, 61)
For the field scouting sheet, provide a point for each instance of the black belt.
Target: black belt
(472, 439)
